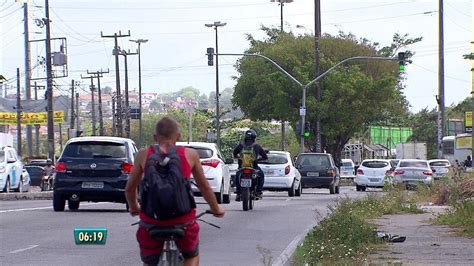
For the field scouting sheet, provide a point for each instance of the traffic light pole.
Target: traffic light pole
(305, 86)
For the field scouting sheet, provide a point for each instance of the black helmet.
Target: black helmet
(250, 134)
(49, 162)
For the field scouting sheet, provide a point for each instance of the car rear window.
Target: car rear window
(347, 164)
(275, 159)
(34, 170)
(375, 164)
(413, 164)
(314, 160)
(439, 163)
(95, 149)
(204, 153)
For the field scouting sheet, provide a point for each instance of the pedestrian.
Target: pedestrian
(145, 172)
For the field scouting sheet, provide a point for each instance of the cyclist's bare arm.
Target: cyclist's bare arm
(133, 182)
(204, 187)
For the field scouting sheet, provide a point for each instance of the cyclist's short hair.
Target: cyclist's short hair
(167, 127)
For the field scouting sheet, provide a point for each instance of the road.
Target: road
(31, 233)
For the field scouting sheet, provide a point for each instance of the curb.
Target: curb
(48, 195)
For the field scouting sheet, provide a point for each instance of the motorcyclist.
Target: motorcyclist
(49, 168)
(249, 141)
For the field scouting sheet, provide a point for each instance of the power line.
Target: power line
(5, 9)
(4, 16)
(455, 23)
(457, 10)
(435, 72)
(160, 8)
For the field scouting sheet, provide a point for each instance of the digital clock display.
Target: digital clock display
(90, 236)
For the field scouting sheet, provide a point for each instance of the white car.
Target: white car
(413, 172)
(440, 167)
(347, 169)
(281, 174)
(372, 173)
(215, 169)
(12, 174)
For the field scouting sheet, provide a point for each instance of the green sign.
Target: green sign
(90, 236)
(389, 136)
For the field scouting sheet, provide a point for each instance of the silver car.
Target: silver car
(440, 168)
(413, 172)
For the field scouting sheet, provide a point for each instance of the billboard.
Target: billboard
(31, 118)
(390, 137)
(468, 121)
(463, 142)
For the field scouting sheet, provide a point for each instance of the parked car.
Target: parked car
(38, 162)
(93, 169)
(373, 173)
(410, 171)
(318, 170)
(36, 174)
(233, 167)
(439, 167)
(347, 169)
(12, 174)
(394, 163)
(215, 169)
(281, 173)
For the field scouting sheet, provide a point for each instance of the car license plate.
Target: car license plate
(312, 174)
(345, 173)
(92, 184)
(246, 182)
(374, 179)
(269, 172)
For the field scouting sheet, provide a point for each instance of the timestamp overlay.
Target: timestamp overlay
(90, 236)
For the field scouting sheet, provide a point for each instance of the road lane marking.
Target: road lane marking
(23, 249)
(43, 208)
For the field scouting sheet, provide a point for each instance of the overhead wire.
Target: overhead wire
(6, 8)
(446, 76)
(12, 12)
(457, 10)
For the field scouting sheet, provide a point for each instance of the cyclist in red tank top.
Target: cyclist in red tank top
(166, 135)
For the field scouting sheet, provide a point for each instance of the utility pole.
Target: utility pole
(18, 113)
(98, 75)
(73, 115)
(441, 76)
(127, 101)
(29, 135)
(94, 128)
(317, 66)
(116, 52)
(216, 25)
(49, 84)
(37, 127)
(140, 125)
(78, 125)
(60, 137)
(114, 119)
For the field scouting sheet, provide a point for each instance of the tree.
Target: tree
(424, 129)
(353, 96)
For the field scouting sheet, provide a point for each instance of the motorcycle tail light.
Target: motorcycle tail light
(247, 171)
(60, 167)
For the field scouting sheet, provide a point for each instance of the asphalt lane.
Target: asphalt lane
(31, 233)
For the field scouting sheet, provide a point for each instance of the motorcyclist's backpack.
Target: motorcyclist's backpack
(164, 191)
(248, 156)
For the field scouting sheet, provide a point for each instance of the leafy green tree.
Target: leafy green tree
(457, 111)
(353, 96)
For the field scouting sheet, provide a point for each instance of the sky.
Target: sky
(174, 57)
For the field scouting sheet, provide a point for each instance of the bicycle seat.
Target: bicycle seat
(164, 233)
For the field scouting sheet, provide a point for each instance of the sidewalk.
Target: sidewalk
(426, 244)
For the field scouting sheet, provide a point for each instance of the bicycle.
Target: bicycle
(171, 256)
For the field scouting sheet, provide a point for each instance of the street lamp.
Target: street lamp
(140, 126)
(215, 25)
(282, 3)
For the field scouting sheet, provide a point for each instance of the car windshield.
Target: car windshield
(204, 153)
(347, 164)
(274, 158)
(375, 164)
(417, 164)
(95, 149)
(439, 163)
(319, 161)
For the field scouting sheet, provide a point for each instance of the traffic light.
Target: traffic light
(401, 61)
(307, 129)
(210, 56)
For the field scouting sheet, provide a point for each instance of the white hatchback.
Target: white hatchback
(215, 169)
(440, 167)
(281, 173)
(347, 169)
(372, 173)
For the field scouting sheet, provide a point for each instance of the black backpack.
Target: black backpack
(164, 191)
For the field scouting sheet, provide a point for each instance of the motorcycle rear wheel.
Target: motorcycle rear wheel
(246, 199)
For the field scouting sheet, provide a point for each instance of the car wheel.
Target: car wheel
(337, 190)
(7, 185)
(58, 203)
(332, 189)
(358, 188)
(291, 190)
(299, 191)
(226, 198)
(363, 188)
(220, 194)
(73, 204)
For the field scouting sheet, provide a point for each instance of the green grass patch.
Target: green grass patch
(345, 236)
(461, 217)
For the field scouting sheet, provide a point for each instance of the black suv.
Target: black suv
(318, 170)
(93, 169)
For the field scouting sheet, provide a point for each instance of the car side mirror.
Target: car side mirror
(229, 161)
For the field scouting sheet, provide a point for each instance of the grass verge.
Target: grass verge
(345, 236)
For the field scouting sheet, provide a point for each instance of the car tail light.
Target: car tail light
(60, 167)
(399, 172)
(427, 173)
(127, 168)
(212, 163)
(360, 172)
(330, 172)
(389, 172)
(247, 171)
(287, 169)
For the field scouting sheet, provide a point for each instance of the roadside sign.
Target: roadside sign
(468, 121)
(302, 111)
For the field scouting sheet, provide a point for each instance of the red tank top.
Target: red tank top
(186, 170)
